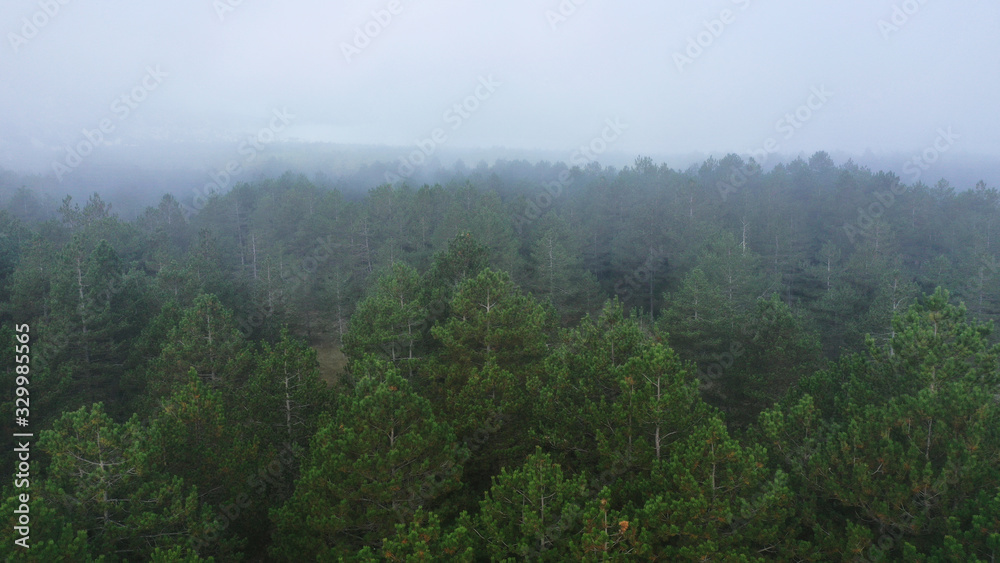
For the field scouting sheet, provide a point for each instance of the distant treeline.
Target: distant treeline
(542, 362)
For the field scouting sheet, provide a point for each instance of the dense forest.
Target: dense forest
(522, 362)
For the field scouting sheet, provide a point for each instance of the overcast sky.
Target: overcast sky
(722, 75)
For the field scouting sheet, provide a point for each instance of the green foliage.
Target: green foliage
(699, 320)
(606, 534)
(531, 512)
(423, 539)
(189, 384)
(582, 370)
(380, 458)
(391, 321)
(464, 259)
(718, 497)
(96, 307)
(178, 554)
(285, 395)
(207, 341)
(492, 320)
(558, 276)
(911, 443)
(775, 351)
(52, 536)
(192, 437)
(492, 344)
(655, 405)
(101, 481)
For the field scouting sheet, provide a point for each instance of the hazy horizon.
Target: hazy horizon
(730, 76)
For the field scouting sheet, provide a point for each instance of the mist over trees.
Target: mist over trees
(517, 361)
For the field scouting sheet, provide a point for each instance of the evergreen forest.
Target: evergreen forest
(519, 362)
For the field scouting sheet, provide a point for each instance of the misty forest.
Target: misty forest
(522, 361)
(561, 280)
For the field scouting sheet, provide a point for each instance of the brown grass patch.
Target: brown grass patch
(332, 362)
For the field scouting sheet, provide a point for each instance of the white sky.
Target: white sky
(558, 83)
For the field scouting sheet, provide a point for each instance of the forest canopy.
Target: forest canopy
(526, 361)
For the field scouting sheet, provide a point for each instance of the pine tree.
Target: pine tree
(391, 321)
(698, 320)
(380, 458)
(207, 340)
(607, 534)
(99, 478)
(909, 443)
(465, 258)
(194, 437)
(657, 404)
(710, 501)
(530, 513)
(491, 319)
(558, 276)
(493, 344)
(423, 539)
(285, 395)
(775, 350)
(96, 309)
(736, 271)
(583, 370)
